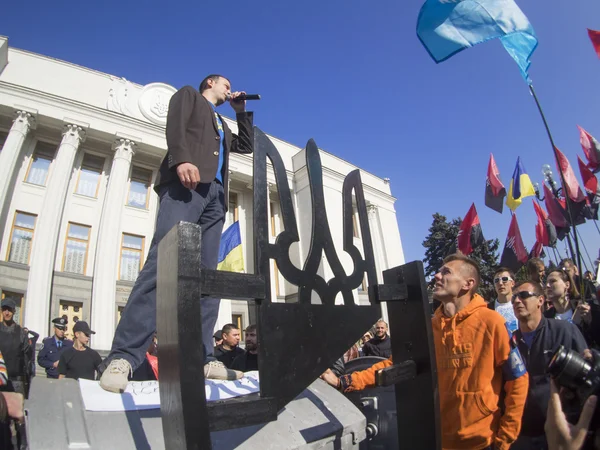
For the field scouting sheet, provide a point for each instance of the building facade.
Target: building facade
(80, 151)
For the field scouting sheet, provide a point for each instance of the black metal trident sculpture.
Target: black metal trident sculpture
(292, 351)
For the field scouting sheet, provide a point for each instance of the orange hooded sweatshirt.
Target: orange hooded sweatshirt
(475, 361)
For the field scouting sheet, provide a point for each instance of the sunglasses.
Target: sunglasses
(523, 295)
(503, 279)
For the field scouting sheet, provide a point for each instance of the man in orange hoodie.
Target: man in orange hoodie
(476, 361)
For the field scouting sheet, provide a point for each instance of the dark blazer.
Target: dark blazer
(193, 136)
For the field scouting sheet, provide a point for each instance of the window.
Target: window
(18, 299)
(40, 164)
(76, 248)
(132, 249)
(89, 175)
(232, 211)
(139, 188)
(19, 246)
(72, 311)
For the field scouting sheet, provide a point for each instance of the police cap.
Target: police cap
(60, 323)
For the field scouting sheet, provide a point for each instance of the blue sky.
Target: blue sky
(353, 76)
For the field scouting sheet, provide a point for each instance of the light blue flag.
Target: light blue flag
(445, 27)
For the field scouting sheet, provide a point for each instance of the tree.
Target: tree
(441, 241)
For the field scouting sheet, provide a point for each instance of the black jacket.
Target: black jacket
(378, 347)
(550, 334)
(193, 136)
(227, 356)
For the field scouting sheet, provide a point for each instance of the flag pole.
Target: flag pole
(562, 175)
(596, 224)
(586, 251)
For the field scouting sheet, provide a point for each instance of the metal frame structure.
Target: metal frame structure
(292, 352)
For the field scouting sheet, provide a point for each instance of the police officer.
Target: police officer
(14, 345)
(53, 346)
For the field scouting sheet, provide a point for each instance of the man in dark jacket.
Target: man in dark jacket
(249, 359)
(14, 345)
(229, 349)
(53, 346)
(192, 187)
(380, 345)
(538, 338)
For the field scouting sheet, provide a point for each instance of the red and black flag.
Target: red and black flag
(556, 213)
(469, 233)
(595, 38)
(572, 189)
(514, 255)
(592, 188)
(545, 231)
(494, 189)
(591, 149)
(537, 251)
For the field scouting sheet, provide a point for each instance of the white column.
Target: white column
(9, 155)
(107, 248)
(376, 239)
(43, 251)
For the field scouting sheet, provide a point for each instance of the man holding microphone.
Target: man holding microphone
(192, 187)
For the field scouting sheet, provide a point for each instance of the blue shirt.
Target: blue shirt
(219, 175)
(528, 337)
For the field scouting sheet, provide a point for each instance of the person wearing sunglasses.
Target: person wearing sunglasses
(538, 338)
(80, 361)
(504, 281)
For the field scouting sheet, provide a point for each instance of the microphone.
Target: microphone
(245, 97)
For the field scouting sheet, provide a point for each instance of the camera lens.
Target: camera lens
(569, 368)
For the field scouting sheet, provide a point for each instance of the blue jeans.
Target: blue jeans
(204, 206)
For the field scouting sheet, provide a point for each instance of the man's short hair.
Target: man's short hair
(504, 269)
(381, 321)
(472, 266)
(251, 328)
(214, 77)
(227, 328)
(537, 287)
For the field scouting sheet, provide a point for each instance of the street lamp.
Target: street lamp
(549, 179)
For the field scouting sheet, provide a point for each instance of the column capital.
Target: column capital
(124, 148)
(24, 121)
(73, 134)
(372, 209)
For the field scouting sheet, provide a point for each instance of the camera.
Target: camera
(581, 376)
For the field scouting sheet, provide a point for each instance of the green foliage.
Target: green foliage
(441, 241)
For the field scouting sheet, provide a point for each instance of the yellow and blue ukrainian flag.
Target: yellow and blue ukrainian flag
(520, 187)
(230, 251)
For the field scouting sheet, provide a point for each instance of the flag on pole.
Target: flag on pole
(448, 27)
(545, 231)
(556, 214)
(595, 38)
(230, 251)
(520, 187)
(572, 185)
(592, 188)
(514, 255)
(591, 149)
(469, 233)
(494, 189)
(537, 251)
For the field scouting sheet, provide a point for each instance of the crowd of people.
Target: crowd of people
(495, 387)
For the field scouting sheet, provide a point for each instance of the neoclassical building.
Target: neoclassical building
(80, 150)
